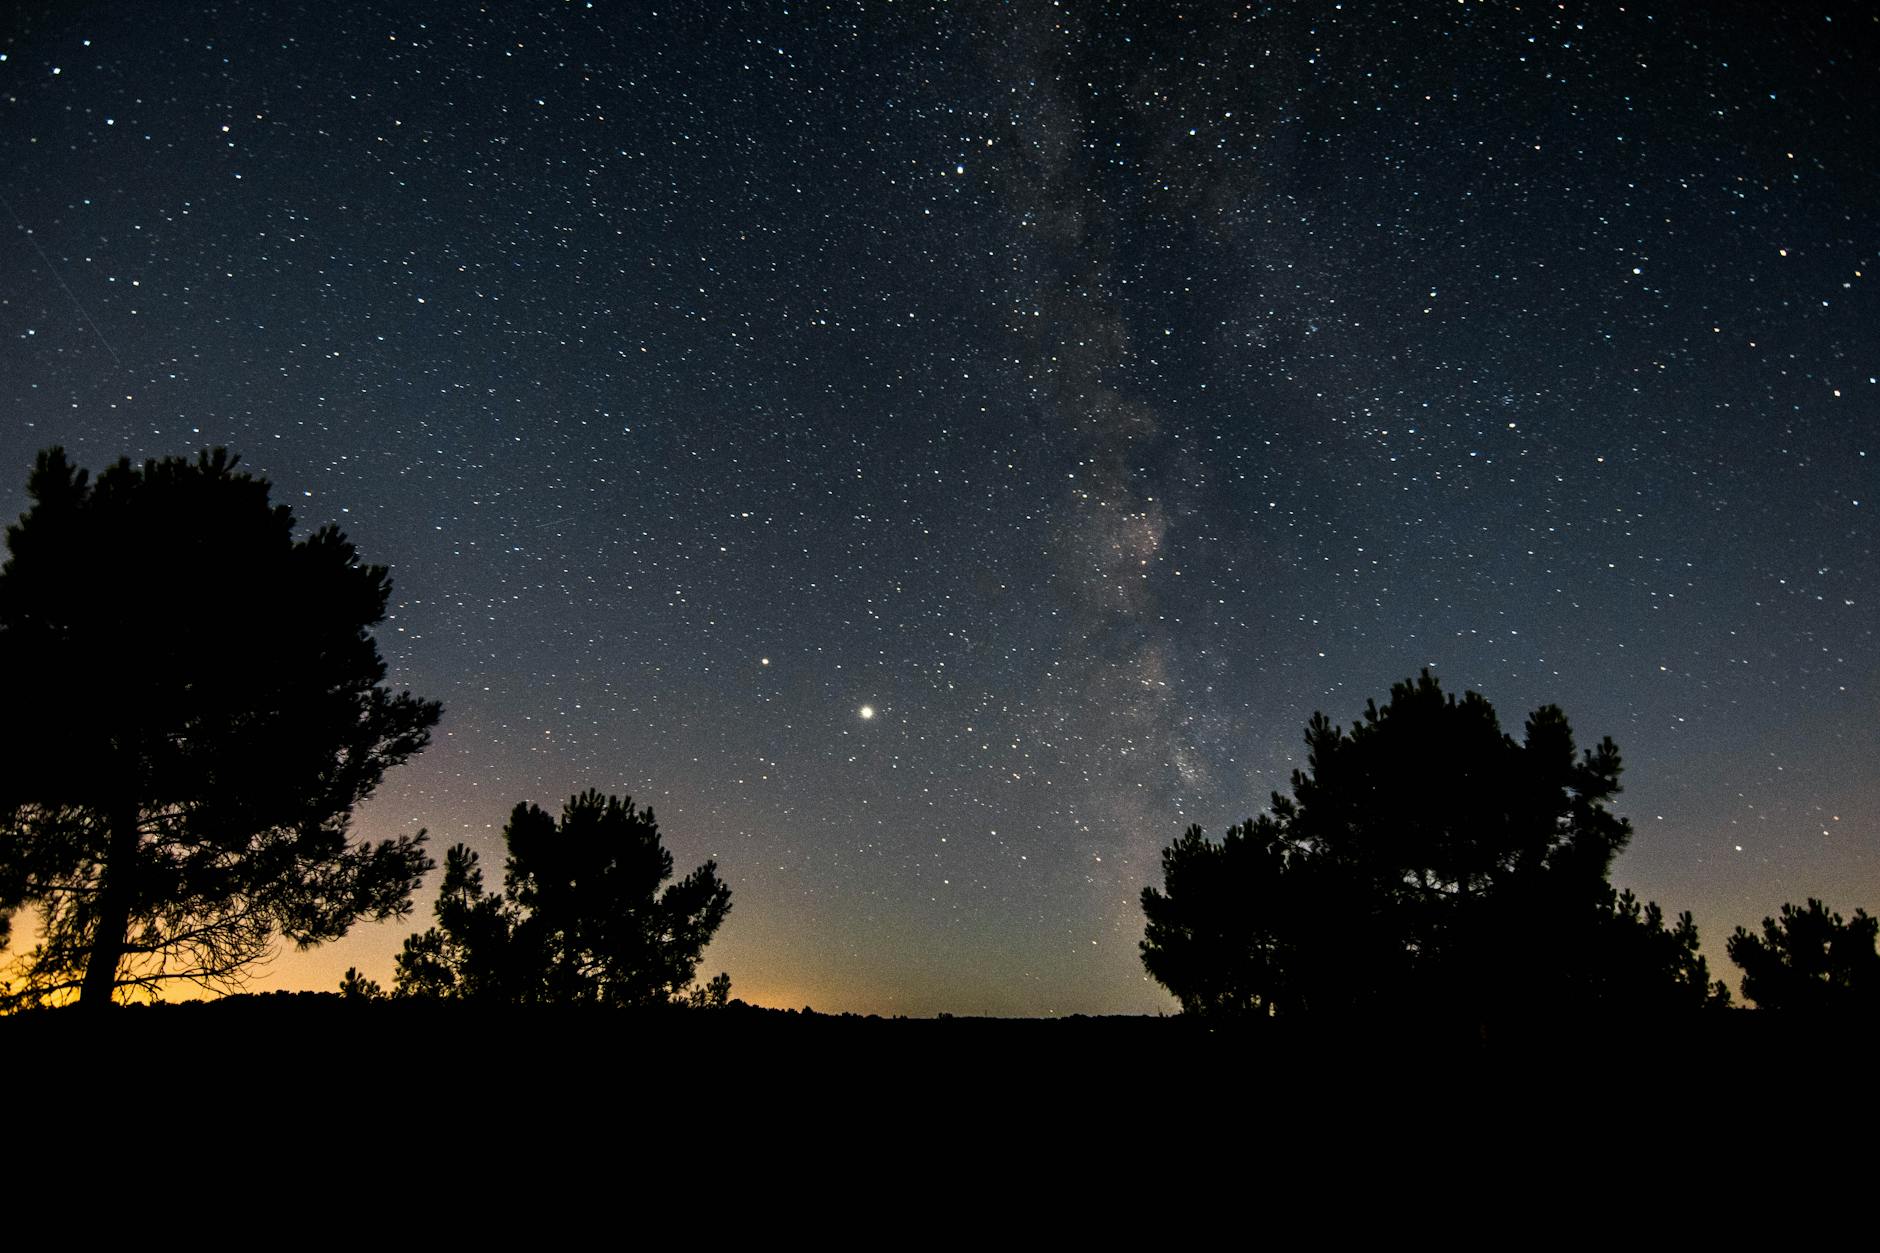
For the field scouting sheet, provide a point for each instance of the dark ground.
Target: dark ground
(280, 1043)
(760, 1118)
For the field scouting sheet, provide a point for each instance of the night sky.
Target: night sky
(932, 455)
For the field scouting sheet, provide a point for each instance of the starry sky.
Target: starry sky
(933, 454)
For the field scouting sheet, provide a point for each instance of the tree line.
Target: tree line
(1428, 863)
(198, 706)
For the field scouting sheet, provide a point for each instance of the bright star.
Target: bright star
(867, 712)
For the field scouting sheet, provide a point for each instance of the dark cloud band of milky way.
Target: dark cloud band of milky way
(1083, 169)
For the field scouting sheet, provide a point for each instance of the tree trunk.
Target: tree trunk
(115, 897)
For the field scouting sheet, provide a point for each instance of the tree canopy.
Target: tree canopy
(1811, 960)
(197, 705)
(581, 920)
(1425, 861)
